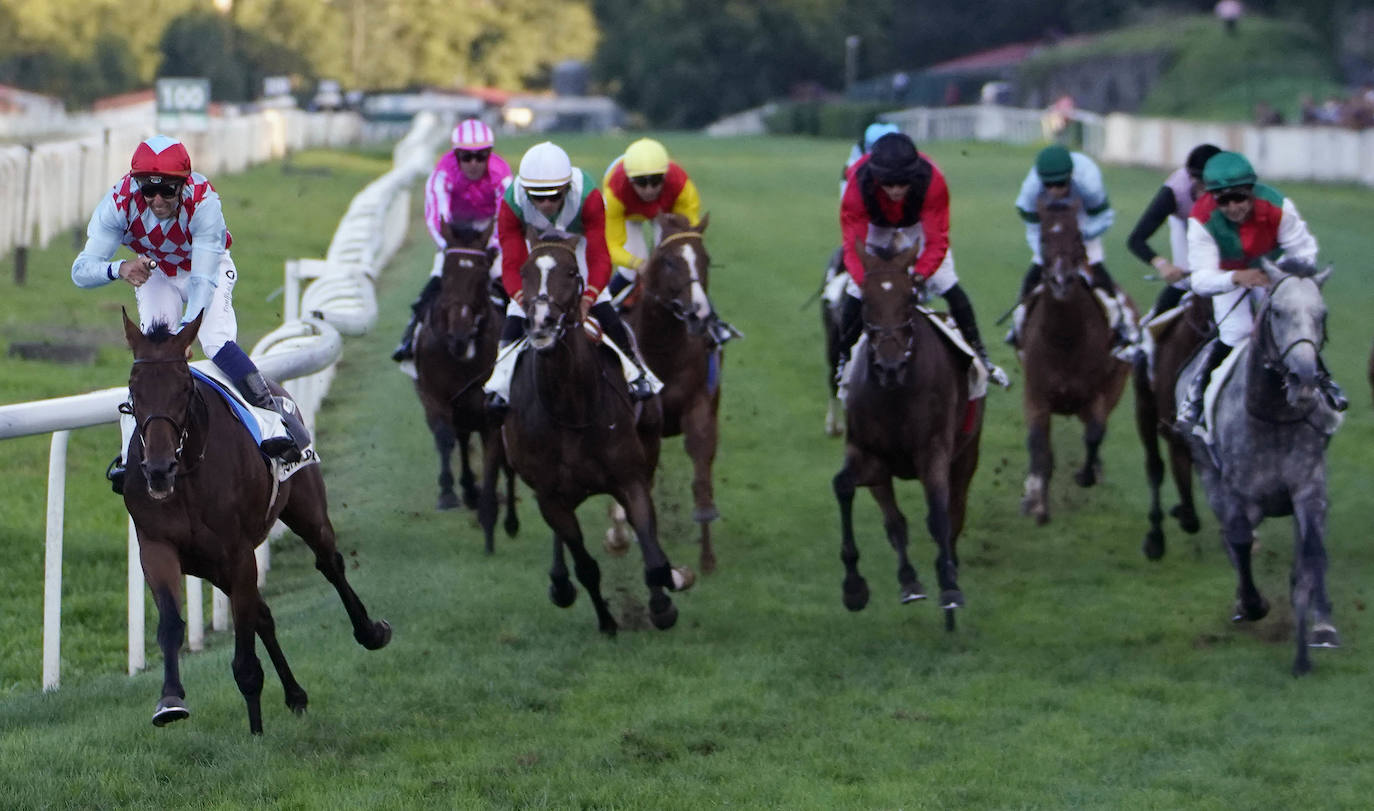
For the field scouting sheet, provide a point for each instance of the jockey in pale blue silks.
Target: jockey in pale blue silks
(172, 220)
(1238, 222)
(1072, 177)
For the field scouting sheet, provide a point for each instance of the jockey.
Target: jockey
(465, 186)
(1235, 224)
(863, 146)
(638, 186)
(897, 198)
(550, 194)
(1172, 202)
(170, 217)
(1061, 175)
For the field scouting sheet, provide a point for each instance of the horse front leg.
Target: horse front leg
(938, 524)
(296, 698)
(493, 461)
(444, 441)
(700, 436)
(244, 601)
(1035, 500)
(1094, 431)
(162, 571)
(1181, 464)
(1238, 531)
(855, 588)
(1311, 606)
(466, 480)
(1147, 426)
(659, 574)
(567, 533)
(894, 524)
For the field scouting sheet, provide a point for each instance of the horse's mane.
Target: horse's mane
(466, 231)
(1297, 267)
(1059, 234)
(159, 332)
(674, 220)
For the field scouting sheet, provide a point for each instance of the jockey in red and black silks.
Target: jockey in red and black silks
(897, 198)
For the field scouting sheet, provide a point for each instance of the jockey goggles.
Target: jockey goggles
(167, 191)
(1226, 197)
(647, 181)
(473, 156)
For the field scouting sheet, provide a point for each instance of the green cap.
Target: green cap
(1054, 164)
(1227, 169)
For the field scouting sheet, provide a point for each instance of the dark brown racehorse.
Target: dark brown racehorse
(572, 432)
(455, 349)
(1066, 357)
(908, 415)
(669, 321)
(202, 497)
(1155, 413)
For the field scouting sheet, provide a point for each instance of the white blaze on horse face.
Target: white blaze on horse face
(700, 303)
(887, 285)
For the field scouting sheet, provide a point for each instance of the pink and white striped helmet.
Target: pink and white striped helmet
(472, 134)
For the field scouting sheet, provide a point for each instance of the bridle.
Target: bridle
(180, 427)
(878, 332)
(561, 326)
(1272, 357)
(673, 305)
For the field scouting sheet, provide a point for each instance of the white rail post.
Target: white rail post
(137, 660)
(195, 613)
(52, 562)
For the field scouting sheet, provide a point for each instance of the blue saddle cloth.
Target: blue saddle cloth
(240, 410)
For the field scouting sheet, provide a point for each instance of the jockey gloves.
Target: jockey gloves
(1054, 164)
(894, 159)
(545, 169)
(645, 157)
(1227, 169)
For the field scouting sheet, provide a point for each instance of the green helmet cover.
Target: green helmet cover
(1227, 169)
(1054, 164)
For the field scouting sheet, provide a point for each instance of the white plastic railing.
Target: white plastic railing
(301, 354)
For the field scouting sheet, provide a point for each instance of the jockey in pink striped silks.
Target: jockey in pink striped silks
(171, 218)
(465, 186)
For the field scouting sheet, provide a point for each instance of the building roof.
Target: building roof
(1000, 57)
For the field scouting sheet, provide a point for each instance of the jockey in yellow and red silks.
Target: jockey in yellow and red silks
(897, 198)
(638, 186)
(171, 219)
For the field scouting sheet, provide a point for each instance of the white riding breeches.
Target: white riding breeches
(1235, 313)
(637, 245)
(163, 299)
(900, 239)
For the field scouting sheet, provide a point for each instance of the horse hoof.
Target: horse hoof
(296, 702)
(1250, 613)
(951, 598)
(512, 525)
(1187, 519)
(448, 500)
(1154, 545)
(169, 709)
(562, 593)
(470, 499)
(683, 578)
(663, 615)
(381, 635)
(912, 593)
(608, 626)
(1085, 478)
(855, 593)
(705, 515)
(1324, 636)
(1041, 519)
(617, 542)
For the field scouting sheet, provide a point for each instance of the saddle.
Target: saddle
(944, 324)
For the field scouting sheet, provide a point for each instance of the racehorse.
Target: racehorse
(1066, 357)
(201, 497)
(455, 349)
(907, 415)
(1156, 411)
(1269, 434)
(571, 432)
(669, 321)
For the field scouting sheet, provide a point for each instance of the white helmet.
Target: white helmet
(545, 169)
(471, 135)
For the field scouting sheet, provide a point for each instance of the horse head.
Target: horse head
(1292, 327)
(1061, 247)
(463, 308)
(552, 285)
(889, 312)
(676, 274)
(161, 389)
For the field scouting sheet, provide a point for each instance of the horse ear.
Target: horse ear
(1325, 274)
(705, 221)
(187, 335)
(907, 258)
(132, 334)
(1273, 271)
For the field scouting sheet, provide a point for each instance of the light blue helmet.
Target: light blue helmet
(877, 130)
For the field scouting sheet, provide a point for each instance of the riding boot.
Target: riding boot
(1127, 332)
(962, 311)
(512, 331)
(406, 349)
(718, 330)
(851, 325)
(619, 281)
(1190, 412)
(288, 448)
(641, 387)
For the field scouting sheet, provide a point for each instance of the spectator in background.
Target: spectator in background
(1229, 11)
(1266, 115)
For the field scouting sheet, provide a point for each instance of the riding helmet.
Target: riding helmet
(877, 130)
(1198, 158)
(1227, 169)
(471, 135)
(1054, 164)
(645, 157)
(894, 159)
(162, 156)
(545, 169)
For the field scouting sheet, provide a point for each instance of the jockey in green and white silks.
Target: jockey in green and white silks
(550, 194)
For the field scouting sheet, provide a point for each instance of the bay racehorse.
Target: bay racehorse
(1065, 354)
(455, 348)
(1155, 413)
(908, 415)
(202, 496)
(571, 432)
(1267, 457)
(669, 321)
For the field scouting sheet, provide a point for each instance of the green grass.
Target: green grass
(1081, 675)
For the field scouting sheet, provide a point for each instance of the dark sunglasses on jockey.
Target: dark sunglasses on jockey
(1226, 197)
(1056, 184)
(167, 191)
(466, 156)
(647, 181)
(551, 195)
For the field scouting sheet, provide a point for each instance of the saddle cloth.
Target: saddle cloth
(261, 423)
(1209, 397)
(977, 372)
(501, 373)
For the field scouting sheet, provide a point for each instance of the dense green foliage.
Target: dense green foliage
(1081, 675)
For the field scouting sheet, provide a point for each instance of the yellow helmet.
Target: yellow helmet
(646, 157)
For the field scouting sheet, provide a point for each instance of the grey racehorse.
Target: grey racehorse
(1268, 455)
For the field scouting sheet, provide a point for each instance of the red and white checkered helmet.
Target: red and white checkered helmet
(472, 134)
(162, 156)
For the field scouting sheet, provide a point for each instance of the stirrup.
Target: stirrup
(721, 330)
(281, 447)
(640, 388)
(496, 405)
(114, 474)
(1335, 396)
(405, 351)
(996, 374)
